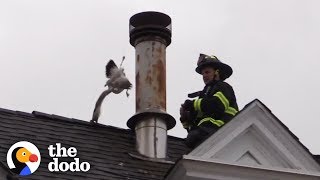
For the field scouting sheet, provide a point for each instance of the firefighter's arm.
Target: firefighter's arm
(218, 103)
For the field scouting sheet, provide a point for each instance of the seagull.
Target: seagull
(116, 83)
(117, 78)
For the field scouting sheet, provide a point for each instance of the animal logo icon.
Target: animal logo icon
(117, 82)
(23, 158)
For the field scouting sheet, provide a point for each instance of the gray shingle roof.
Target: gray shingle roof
(106, 148)
(317, 158)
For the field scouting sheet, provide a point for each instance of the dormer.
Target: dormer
(254, 145)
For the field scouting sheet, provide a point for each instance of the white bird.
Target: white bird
(116, 83)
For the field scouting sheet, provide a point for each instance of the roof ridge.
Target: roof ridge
(66, 119)
(175, 137)
(7, 111)
(72, 120)
(55, 117)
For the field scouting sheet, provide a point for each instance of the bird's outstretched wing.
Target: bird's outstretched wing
(116, 83)
(117, 78)
(111, 68)
(97, 108)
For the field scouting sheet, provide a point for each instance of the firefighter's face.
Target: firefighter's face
(208, 74)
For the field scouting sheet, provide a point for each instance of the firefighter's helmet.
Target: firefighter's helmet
(205, 60)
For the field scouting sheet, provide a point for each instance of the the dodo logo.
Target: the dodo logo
(23, 158)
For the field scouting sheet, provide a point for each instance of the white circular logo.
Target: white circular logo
(23, 158)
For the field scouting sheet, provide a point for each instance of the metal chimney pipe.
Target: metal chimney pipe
(150, 34)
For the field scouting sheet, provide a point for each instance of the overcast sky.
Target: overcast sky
(53, 55)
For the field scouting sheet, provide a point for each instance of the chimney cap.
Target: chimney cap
(150, 23)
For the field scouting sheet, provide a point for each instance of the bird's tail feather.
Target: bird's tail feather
(123, 57)
(97, 108)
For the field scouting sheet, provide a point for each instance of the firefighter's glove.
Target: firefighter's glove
(184, 117)
(188, 105)
(181, 110)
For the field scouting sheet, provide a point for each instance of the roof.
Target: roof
(108, 149)
(315, 157)
(254, 139)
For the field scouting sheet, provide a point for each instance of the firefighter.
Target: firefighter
(216, 103)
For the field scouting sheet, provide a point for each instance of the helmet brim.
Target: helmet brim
(224, 68)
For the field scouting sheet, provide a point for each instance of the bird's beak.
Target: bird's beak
(33, 158)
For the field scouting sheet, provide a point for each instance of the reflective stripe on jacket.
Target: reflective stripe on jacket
(216, 105)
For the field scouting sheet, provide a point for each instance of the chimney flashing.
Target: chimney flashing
(170, 121)
(145, 158)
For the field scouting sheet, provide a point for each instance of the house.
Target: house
(253, 145)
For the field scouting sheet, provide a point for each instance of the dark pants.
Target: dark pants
(198, 135)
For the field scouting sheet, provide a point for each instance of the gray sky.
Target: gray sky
(53, 55)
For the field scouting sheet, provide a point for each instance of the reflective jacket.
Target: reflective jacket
(215, 106)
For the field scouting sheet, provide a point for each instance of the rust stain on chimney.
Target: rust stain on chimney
(160, 69)
(137, 90)
(159, 50)
(148, 77)
(137, 104)
(152, 50)
(146, 53)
